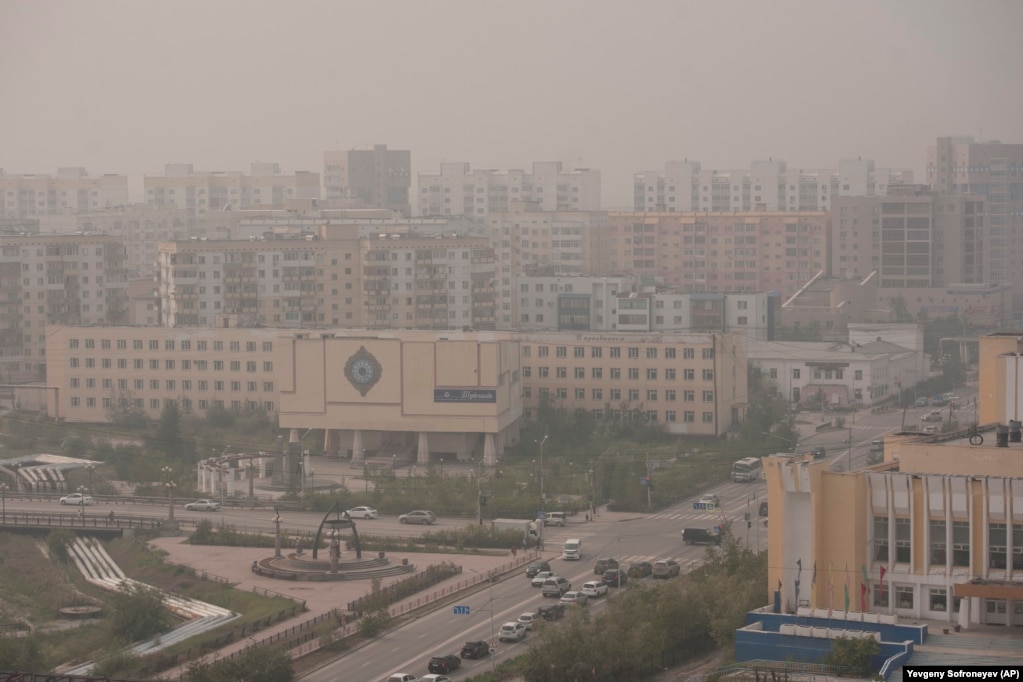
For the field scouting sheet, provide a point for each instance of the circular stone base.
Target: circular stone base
(78, 612)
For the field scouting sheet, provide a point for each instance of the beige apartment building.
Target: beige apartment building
(72, 190)
(375, 178)
(48, 279)
(329, 278)
(694, 384)
(200, 192)
(941, 517)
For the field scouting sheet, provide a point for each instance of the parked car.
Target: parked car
(362, 513)
(641, 569)
(930, 429)
(763, 509)
(401, 677)
(700, 536)
(594, 588)
(551, 611)
(444, 663)
(77, 498)
(529, 618)
(535, 567)
(603, 564)
(555, 587)
(932, 416)
(615, 577)
(921, 402)
(420, 516)
(538, 579)
(573, 597)
(666, 568)
(555, 519)
(512, 632)
(203, 505)
(475, 649)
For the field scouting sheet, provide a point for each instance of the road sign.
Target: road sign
(461, 610)
(704, 505)
(493, 647)
(541, 515)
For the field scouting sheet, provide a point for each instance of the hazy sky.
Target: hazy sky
(125, 86)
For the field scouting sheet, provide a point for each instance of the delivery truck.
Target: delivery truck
(528, 529)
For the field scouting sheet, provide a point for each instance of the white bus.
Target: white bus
(746, 470)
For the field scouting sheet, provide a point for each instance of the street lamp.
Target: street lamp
(168, 474)
(81, 499)
(794, 445)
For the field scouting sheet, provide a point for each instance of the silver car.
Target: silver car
(421, 516)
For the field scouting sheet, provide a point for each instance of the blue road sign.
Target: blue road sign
(541, 515)
(704, 505)
(461, 610)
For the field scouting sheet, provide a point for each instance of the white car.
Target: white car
(537, 580)
(573, 597)
(512, 632)
(76, 498)
(528, 619)
(594, 588)
(434, 678)
(362, 513)
(203, 505)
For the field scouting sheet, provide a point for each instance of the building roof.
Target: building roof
(817, 351)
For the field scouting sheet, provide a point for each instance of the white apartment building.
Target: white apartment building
(199, 192)
(565, 302)
(684, 186)
(456, 190)
(72, 190)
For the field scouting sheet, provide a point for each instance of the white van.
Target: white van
(572, 550)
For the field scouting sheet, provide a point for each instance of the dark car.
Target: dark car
(445, 663)
(700, 536)
(603, 564)
(615, 577)
(763, 509)
(537, 566)
(819, 452)
(551, 611)
(476, 649)
(641, 569)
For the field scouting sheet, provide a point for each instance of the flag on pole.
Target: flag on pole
(813, 587)
(882, 581)
(831, 588)
(863, 588)
(799, 573)
(847, 588)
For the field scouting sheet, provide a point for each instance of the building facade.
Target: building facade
(374, 178)
(685, 187)
(456, 190)
(201, 192)
(71, 190)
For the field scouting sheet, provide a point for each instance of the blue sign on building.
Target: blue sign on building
(464, 395)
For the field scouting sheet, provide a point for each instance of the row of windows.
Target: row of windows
(669, 416)
(938, 549)
(633, 352)
(185, 365)
(615, 373)
(615, 394)
(172, 385)
(185, 403)
(172, 344)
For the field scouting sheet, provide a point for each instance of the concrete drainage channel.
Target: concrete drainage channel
(98, 568)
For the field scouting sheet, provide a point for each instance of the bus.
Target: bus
(746, 470)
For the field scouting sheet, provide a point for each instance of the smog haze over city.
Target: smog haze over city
(126, 87)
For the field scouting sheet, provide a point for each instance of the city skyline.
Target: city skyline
(119, 87)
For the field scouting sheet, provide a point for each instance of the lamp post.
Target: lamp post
(413, 479)
(794, 445)
(81, 499)
(593, 507)
(168, 474)
(493, 657)
(277, 533)
(89, 467)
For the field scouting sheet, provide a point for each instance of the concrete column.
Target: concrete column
(423, 451)
(489, 450)
(357, 450)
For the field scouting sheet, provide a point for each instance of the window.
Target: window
(543, 372)
(669, 353)
(236, 365)
(633, 395)
(902, 541)
(903, 596)
(633, 352)
(578, 352)
(669, 374)
(597, 373)
(938, 543)
(616, 373)
(580, 394)
(881, 538)
(708, 353)
(561, 351)
(689, 374)
(689, 417)
(708, 417)
(651, 415)
(880, 599)
(527, 392)
(651, 353)
(597, 394)
(527, 372)
(616, 352)
(938, 599)
(651, 395)
(795, 374)
(634, 373)
(651, 374)
(616, 394)
(669, 416)
(580, 372)
(1017, 547)
(596, 352)
(858, 375)
(688, 353)
(708, 396)
(996, 536)
(541, 351)
(562, 392)
(562, 372)
(708, 375)
(961, 543)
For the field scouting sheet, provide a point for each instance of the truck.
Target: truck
(528, 529)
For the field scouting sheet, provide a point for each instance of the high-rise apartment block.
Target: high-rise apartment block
(182, 187)
(723, 252)
(371, 178)
(456, 190)
(72, 190)
(960, 165)
(684, 186)
(51, 279)
(330, 278)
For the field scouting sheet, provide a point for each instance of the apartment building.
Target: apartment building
(71, 190)
(962, 165)
(726, 252)
(456, 190)
(686, 187)
(376, 178)
(564, 302)
(693, 384)
(330, 278)
(913, 237)
(49, 279)
(934, 532)
(198, 193)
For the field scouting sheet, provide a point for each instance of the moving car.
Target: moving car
(420, 516)
(876, 446)
(401, 677)
(708, 501)
(921, 402)
(203, 505)
(573, 597)
(932, 416)
(434, 678)
(641, 569)
(555, 587)
(594, 588)
(603, 564)
(528, 619)
(76, 498)
(444, 663)
(512, 632)
(700, 536)
(475, 649)
(555, 519)
(615, 577)
(551, 611)
(362, 513)
(666, 568)
(536, 567)
(931, 429)
(538, 579)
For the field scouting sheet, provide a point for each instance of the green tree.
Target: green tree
(168, 438)
(138, 613)
(257, 664)
(125, 411)
(852, 654)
